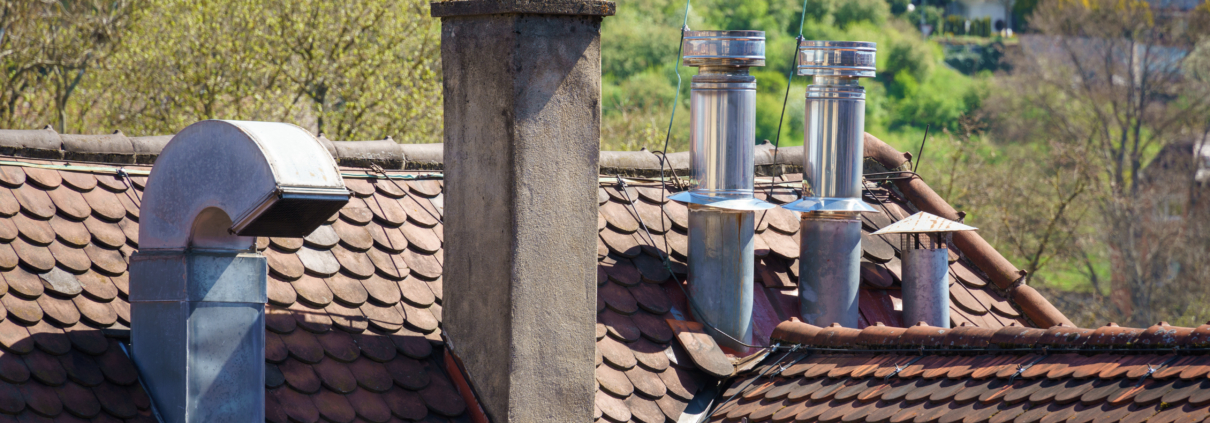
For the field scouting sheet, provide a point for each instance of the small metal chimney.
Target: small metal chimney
(197, 284)
(832, 163)
(924, 242)
(722, 141)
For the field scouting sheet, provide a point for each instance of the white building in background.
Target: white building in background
(1000, 11)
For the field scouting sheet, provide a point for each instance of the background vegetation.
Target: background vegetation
(1071, 152)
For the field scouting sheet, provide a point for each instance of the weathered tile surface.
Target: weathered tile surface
(962, 375)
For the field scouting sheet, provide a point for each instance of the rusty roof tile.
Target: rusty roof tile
(626, 245)
(836, 336)
(618, 298)
(420, 238)
(781, 244)
(420, 319)
(95, 313)
(425, 266)
(651, 298)
(420, 211)
(347, 319)
(60, 311)
(338, 345)
(303, 346)
(36, 257)
(702, 349)
(106, 205)
(21, 310)
(41, 399)
(1162, 335)
(12, 176)
(115, 400)
(298, 406)
(619, 325)
(322, 238)
(646, 382)
(332, 375)
(8, 203)
(611, 407)
(78, 400)
(75, 260)
(876, 248)
(386, 210)
(971, 337)
(79, 181)
(1016, 337)
(782, 220)
(427, 187)
(106, 261)
(107, 234)
(311, 290)
(35, 231)
(48, 179)
(846, 367)
(681, 383)
(652, 217)
(34, 201)
(441, 398)
(1112, 335)
(388, 319)
(370, 375)
(923, 336)
(319, 262)
(355, 212)
(347, 290)
(616, 353)
(280, 292)
(275, 348)
(70, 203)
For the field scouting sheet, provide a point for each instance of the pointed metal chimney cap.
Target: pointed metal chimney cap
(922, 222)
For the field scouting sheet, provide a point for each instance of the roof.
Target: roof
(968, 374)
(354, 314)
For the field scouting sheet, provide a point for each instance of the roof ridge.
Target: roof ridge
(1111, 337)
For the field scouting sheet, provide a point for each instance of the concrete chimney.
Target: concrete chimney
(722, 141)
(522, 87)
(197, 284)
(829, 264)
(924, 243)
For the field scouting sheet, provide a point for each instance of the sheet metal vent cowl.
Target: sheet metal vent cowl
(924, 241)
(829, 265)
(721, 205)
(197, 284)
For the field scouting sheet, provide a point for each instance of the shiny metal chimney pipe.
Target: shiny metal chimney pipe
(924, 241)
(722, 140)
(829, 264)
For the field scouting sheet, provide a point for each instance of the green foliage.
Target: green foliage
(639, 55)
(933, 15)
(899, 7)
(352, 70)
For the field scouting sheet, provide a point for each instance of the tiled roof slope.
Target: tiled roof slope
(64, 239)
(974, 375)
(352, 319)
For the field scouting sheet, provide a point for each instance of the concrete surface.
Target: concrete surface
(522, 131)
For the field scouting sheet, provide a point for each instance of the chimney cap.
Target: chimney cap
(923, 222)
(725, 48)
(854, 59)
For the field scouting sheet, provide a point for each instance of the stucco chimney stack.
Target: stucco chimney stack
(522, 93)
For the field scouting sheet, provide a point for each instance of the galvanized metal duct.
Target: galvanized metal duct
(924, 242)
(721, 206)
(197, 285)
(829, 272)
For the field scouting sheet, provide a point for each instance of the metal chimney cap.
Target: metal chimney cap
(854, 59)
(738, 203)
(922, 222)
(830, 204)
(219, 183)
(724, 48)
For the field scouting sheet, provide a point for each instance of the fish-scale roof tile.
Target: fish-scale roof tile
(1022, 377)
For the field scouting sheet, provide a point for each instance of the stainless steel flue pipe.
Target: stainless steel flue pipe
(722, 141)
(830, 258)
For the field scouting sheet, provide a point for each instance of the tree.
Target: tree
(366, 69)
(46, 47)
(1107, 85)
